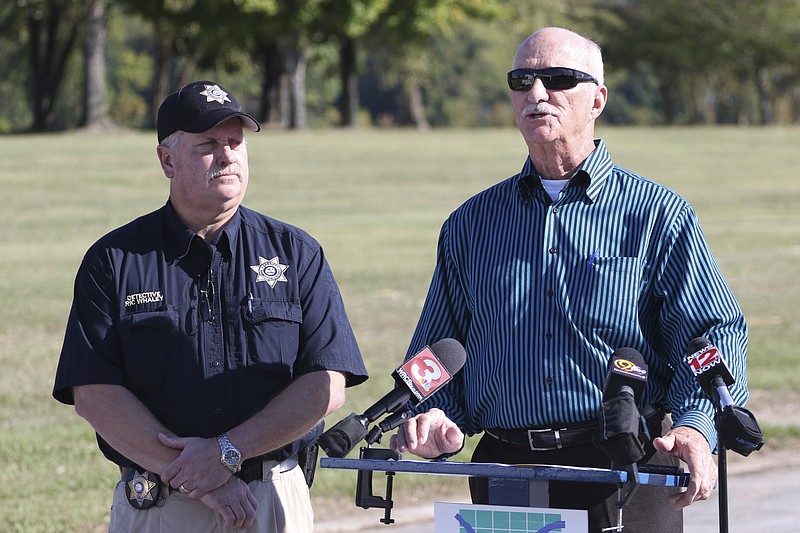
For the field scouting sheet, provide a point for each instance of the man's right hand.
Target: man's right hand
(234, 502)
(197, 469)
(428, 435)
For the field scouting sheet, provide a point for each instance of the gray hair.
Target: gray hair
(171, 141)
(596, 59)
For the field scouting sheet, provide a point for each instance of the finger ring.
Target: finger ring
(183, 489)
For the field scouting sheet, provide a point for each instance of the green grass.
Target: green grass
(375, 199)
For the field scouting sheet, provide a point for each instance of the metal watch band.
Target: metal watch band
(227, 448)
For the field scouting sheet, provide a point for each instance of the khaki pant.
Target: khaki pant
(284, 506)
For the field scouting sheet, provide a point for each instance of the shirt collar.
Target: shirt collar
(594, 171)
(183, 236)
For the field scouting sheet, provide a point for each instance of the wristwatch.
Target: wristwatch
(229, 455)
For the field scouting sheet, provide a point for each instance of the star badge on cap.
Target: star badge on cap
(270, 270)
(214, 94)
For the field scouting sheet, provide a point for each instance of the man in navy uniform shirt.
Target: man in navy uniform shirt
(546, 274)
(206, 342)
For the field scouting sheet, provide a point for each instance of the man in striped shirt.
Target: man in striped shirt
(544, 275)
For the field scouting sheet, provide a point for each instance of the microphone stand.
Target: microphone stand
(722, 476)
(737, 430)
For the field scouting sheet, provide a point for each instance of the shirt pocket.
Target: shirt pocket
(147, 339)
(273, 331)
(608, 294)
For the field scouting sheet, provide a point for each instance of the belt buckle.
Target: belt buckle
(534, 448)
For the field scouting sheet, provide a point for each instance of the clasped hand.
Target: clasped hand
(199, 474)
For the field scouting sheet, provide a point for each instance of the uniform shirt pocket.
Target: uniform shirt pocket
(273, 331)
(147, 339)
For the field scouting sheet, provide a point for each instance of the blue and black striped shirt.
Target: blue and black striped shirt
(541, 293)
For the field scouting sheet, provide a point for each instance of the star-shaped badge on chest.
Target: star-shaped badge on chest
(270, 270)
(214, 93)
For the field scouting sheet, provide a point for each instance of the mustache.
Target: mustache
(232, 169)
(537, 109)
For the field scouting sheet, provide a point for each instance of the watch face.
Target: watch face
(231, 457)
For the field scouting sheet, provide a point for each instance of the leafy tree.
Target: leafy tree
(709, 59)
(48, 31)
(468, 82)
(349, 23)
(408, 28)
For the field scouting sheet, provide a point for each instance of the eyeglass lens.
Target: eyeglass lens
(556, 79)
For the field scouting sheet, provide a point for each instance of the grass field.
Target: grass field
(375, 199)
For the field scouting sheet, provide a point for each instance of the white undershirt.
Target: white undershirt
(554, 187)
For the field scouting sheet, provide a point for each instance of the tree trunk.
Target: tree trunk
(95, 107)
(296, 69)
(349, 73)
(161, 87)
(765, 104)
(669, 99)
(416, 107)
(272, 88)
(48, 56)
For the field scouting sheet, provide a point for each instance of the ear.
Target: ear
(600, 98)
(165, 158)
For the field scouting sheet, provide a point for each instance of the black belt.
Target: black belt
(540, 440)
(547, 439)
(252, 469)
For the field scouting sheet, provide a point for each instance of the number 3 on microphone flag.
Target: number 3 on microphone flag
(424, 373)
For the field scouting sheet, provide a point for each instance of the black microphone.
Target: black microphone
(627, 375)
(619, 418)
(710, 370)
(737, 428)
(415, 381)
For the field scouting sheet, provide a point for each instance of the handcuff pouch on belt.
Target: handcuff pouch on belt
(142, 488)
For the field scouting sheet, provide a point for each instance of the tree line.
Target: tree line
(315, 63)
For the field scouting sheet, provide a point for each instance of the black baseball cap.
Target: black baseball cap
(199, 106)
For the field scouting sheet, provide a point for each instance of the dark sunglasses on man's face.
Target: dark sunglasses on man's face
(554, 79)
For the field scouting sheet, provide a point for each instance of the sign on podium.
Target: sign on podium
(468, 518)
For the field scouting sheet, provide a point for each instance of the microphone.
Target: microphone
(416, 380)
(737, 428)
(627, 375)
(619, 418)
(710, 370)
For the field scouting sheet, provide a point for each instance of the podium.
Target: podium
(509, 485)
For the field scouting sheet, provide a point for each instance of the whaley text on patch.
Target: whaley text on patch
(143, 298)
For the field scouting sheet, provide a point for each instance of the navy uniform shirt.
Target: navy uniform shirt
(205, 336)
(541, 293)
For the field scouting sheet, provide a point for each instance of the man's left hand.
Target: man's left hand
(198, 469)
(690, 446)
(234, 502)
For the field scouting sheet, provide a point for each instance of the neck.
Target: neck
(206, 226)
(558, 161)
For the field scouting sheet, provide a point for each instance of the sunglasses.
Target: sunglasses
(205, 285)
(554, 79)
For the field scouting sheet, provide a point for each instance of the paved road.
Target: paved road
(763, 498)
